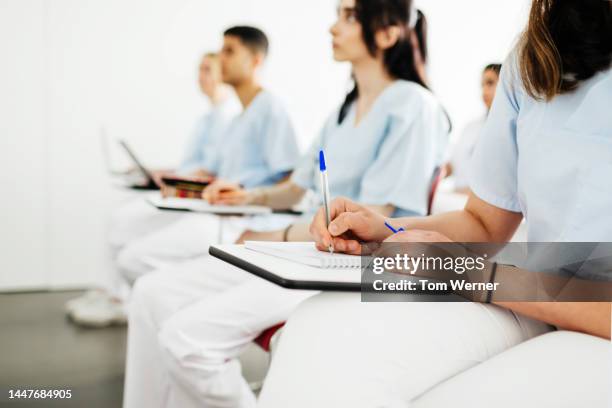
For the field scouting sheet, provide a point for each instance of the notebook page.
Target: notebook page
(305, 253)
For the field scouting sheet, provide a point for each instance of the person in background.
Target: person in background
(460, 154)
(136, 218)
(545, 154)
(190, 322)
(257, 148)
(201, 152)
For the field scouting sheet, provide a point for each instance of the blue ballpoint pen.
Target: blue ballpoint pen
(325, 190)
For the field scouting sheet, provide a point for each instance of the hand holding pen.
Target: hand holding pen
(351, 224)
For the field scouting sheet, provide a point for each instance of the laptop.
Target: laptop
(145, 178)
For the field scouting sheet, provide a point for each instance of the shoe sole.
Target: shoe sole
(97, 325)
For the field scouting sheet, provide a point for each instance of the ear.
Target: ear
(387, 37)
(258, 59)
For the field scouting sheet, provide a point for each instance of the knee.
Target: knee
(145, 297)
(129, 263)
(120, 224)
(213, 378)
(173, 347)
(202, 366)
(117, 236)
(179, 345)
(190, 338)
(182, 354)
(333, 305)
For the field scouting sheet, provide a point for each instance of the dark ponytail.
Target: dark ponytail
(420, 29)
(401, 60)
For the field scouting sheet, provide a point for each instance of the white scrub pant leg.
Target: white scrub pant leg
(338, 352)
(134, 219)
(189, 238)
(137, 218)
(155, 298)
(201, 343)
(199, 340)
(183, 240)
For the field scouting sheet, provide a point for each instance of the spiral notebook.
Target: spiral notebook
(305, 253)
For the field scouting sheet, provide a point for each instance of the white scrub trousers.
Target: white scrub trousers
(338, 352)
(133, 220)
(182, 240)
(188, 238)
(561, 369)
(137, 218)
(187, 326)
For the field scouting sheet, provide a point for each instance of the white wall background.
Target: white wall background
(70, 68)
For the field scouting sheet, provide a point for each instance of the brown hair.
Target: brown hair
(565, 43)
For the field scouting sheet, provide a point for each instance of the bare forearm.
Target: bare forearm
(477, 222)
(459, 226)
(298, 232)
(281, 196)
(201, 173)
(524, 291)
(591, 318)
(385, 210)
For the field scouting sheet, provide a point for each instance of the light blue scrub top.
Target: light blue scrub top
(202, 149)
(551, 161)
(260, 146)
(388, 158)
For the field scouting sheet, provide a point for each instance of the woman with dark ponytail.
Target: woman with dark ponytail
(406, 59)
(381, 148)
(544, 155)
(389, 123)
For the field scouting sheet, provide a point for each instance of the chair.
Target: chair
(268, 337)
(438, 175)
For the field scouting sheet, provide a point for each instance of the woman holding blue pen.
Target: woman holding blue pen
(545, 154)
(193, 320)
(389, 124)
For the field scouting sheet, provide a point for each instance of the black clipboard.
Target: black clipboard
(279, 280)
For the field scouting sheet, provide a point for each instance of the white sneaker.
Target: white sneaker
(88, 297)
(103, 312)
